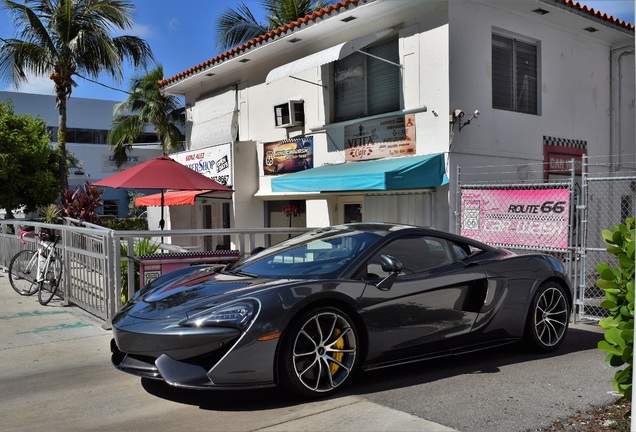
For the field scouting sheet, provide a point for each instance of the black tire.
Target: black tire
(548, 318)
(48, 286)
(319, 353)
(23, 273)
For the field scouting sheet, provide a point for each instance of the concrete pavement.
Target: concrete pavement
(56, 375)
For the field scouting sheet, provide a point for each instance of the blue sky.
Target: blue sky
(181, 35)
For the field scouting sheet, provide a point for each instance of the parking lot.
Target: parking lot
(56, 375)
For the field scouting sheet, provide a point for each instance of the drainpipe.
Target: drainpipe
(615, 107)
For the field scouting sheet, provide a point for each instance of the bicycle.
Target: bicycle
(37, 271)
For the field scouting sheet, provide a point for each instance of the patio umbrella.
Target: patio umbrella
(161, 173)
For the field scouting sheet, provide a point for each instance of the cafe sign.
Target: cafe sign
(380, 138)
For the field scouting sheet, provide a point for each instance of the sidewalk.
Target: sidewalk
(56, 376)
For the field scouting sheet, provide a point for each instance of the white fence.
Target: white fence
(92, 273)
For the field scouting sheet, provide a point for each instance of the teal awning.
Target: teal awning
(413, 172)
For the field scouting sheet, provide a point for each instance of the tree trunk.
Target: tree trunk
(61, 141)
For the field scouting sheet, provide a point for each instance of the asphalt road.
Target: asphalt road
(56, 375)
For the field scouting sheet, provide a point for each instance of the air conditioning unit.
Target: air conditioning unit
(289, 114)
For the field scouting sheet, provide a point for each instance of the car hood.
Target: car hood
(194, 292)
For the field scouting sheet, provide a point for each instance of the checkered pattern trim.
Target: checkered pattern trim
(564, 142)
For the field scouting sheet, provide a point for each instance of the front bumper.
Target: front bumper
(210, 357)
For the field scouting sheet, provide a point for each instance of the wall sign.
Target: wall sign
(516, 217)
(213, 162)
(380, 138)
(558, 154)
(288, 156)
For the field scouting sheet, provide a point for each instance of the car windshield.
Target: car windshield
(316, 254)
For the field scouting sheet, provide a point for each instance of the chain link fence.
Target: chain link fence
(609, 197)
(521, 208)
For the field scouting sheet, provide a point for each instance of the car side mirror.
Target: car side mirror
(392, 266)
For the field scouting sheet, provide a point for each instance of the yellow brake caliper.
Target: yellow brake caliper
(337, 356)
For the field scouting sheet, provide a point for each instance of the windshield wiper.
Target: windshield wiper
(240, 273)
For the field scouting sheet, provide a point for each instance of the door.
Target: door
(434, 300)
(350, 209)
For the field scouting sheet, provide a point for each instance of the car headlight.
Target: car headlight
(238, 314)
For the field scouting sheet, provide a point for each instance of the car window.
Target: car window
(418, 254)
(308, 257)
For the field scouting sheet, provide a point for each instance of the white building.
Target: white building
(355, 112)
(88, 122)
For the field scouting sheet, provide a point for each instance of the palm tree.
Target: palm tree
(237, 26)
(64, 38)
(146, 106)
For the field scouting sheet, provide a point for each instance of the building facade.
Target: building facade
(364, 110)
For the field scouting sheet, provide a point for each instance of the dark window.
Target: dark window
(111, 208)
(94, 136)
(417, 255)
(514, 75)
(365, 85)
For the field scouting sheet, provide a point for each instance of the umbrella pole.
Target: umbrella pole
(162, 222)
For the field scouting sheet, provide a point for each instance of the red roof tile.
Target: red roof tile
(258, 40)
(598, 14)
(336, 8)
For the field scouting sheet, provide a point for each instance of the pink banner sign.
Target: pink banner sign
(517, 217)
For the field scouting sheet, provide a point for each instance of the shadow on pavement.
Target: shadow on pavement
(581, 338)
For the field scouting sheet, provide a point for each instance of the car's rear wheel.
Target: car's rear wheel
(548, 318)
(319, 352)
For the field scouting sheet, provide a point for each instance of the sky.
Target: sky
(181, 35)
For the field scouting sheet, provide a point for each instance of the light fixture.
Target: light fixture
(458, 115)
(349, 18)
(294, 40)
(591, 29)
(541, 11)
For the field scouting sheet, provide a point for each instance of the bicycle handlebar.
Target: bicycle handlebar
(42, 235)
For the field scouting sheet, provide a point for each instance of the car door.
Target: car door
(435, 299)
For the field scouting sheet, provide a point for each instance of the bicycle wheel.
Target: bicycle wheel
(48, 286)
(23, 271)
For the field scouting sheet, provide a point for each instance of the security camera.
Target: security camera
(459, 113)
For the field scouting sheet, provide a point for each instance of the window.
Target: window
(93, 136)
(514, 75)
(111, 208)
(365, 85)
(417, 255)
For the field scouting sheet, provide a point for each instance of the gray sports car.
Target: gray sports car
(309, 312)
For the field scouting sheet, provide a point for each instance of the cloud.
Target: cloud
(173, 24)
(35, 85)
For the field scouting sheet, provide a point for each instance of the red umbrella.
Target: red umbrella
(162, 173)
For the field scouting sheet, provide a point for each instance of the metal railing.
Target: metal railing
(94, 256)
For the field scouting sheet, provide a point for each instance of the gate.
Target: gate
(562, 216)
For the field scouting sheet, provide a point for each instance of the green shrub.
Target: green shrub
(618, 284)
(127, 224)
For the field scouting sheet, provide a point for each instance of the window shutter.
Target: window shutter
(502, 71)
(383, 84)
(526, 76)
(364, 85)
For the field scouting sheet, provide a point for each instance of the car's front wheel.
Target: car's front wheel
(548, 318)
(319, 352)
